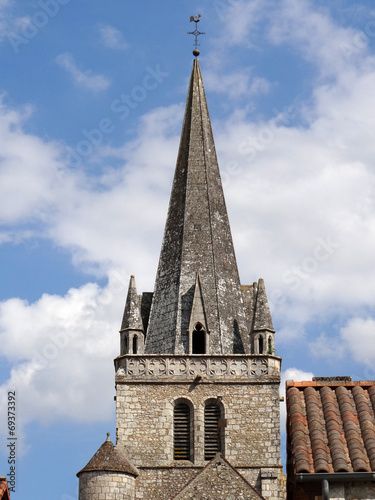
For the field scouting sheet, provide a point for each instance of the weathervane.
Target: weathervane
(196, 33)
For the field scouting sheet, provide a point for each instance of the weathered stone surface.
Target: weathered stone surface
(216, 481)
(197, 239)
(99, 485)
(250, 439)
(185, 368)
(131, 333)
(109, 458)
(208, 349)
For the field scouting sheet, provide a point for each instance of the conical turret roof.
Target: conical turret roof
(109, 458)
(197, 239)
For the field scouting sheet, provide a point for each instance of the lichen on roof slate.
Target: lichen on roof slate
(109, 458)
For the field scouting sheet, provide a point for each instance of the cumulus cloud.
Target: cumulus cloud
(28, 168)
(134, 198)
(82, 78)
(299, 189)
(61, 349)
(236, 84)
(299, 24)
(359, 336)
(112, 38)
(241, 19)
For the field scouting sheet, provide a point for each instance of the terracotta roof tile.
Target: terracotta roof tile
(4, 491)
(318, 434)
(331, 426)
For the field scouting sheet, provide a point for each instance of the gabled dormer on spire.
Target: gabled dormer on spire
(197, 239)
(198, 328)
(131, 333)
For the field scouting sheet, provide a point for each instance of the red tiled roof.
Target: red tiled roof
(331, 426)
(4, 491)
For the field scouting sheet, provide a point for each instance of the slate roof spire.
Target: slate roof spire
(197, 240)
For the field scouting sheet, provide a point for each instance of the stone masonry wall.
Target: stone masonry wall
(352, 491)
(98, 485)
(251, 438)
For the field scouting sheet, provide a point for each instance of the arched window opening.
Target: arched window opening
(260, 340)
(270, 350)
(212, 436)
(199, 340)
(135, 344)
(181, 431)
(126, 345)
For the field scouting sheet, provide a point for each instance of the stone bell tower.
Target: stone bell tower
(197, 381)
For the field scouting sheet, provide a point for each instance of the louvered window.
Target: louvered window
(181, 429)
(212, 438)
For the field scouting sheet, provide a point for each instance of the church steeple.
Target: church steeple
(197, 240)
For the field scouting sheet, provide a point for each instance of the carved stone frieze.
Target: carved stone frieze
(156, 367)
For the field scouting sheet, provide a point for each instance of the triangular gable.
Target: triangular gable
(198, 313)
(216, 481)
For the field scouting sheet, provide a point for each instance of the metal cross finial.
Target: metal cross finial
(196, 33)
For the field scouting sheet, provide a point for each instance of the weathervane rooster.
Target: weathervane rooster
(196, 33)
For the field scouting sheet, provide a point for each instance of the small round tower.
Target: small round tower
(108, 476)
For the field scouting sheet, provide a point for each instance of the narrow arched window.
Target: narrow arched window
(212, 436)
(181, 432)
(260, 340)
(199, 340)
(270, 350)
(135, 344)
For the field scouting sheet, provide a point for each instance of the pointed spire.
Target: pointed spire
(262, 314)
(132, 333)
(197, 239)
(132, 313)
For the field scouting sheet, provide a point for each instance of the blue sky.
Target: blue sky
(91, 108)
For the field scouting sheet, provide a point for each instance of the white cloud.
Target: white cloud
(61, 350)
(331, 348)
(84, 79)
(300, 24)
(27, 169)
(359, 336)
(241, 19)
(236, 84)
(291, 192)
(300, 186)
(134, 200)
(112, 38)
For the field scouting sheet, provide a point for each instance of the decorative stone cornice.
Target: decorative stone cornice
(235, 368)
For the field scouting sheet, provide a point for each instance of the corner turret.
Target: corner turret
(262, 333)
(108, 475)
(132, 333)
